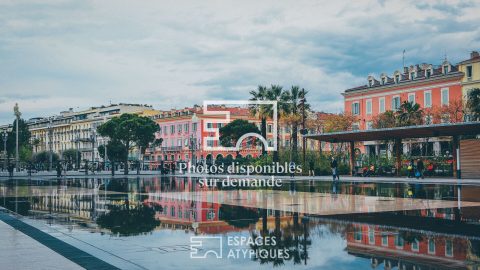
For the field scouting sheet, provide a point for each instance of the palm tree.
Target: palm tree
(260, 111)
(296, 98)
(276, 93)
(409, 114)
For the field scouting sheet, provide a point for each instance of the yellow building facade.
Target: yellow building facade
(471, 69)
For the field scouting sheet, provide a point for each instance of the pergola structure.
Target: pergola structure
(397, 134)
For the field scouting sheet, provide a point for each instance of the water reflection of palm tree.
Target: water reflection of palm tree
(294, 238)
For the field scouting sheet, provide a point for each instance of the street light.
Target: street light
(17, 114)
(50, 145)
(92, 138)
(5, 138)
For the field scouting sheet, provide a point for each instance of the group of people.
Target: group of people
(416, 170)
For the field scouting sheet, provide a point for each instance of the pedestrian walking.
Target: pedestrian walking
(334, 166)
(411, 169)
(292, 168)
(420, 169)
(311, 168)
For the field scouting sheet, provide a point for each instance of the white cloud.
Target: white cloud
(176, 53)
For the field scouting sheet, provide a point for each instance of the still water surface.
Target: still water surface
(149, 222)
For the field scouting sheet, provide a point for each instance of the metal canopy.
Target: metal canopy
(424, 131)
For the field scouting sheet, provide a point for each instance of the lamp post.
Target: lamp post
(92, 137)
(17, 114)
(50, 145)
(105, 154)
(193, 139)
(5, 137)
(77, 138)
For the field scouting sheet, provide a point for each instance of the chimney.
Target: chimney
(474, 54)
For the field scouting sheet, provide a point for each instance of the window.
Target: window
(358, 234)
(355, 108)
(431, 246)
(384, 80)
(427, 99)
(445, 69)
(172, 211)
(179, 127)
(269, 128)
(172, 129)
(194, 126)
(469, 72)
(412, 75)
(428, 73)
(445, 96)
(371, 236)
(165, 130)
(369, 106)
(449, 248)
(209, 125)
(395, 103)
(381, 105)
(385, 240)
(185, 127)
(210, 143)
(415, 245)
(399, 241)
(411, 98)
(370, 83)
(397, 78)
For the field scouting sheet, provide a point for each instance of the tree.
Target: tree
(260, 111)
(276, 93)
(44, 157)
(338, 122)
(116, 152)
(296, 99)
(129, 130)
(36, 143)
(409, 114)
(384, 120)
(122, 221)
(230, 133)
(71, 156)
(451, 113)
(23, 137)
(473, 103)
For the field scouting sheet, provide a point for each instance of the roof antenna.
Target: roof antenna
(446, 56)
(403, 59)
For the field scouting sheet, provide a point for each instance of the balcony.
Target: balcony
(171, 148)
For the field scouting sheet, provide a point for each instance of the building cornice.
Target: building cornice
(441, 78)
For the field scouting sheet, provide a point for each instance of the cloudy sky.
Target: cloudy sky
(56, 54)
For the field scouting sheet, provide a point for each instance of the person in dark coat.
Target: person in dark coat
(420, 168)
(334, 166)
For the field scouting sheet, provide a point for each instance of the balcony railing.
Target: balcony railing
(171, 148)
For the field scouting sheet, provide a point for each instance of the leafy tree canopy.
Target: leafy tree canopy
(230, 133)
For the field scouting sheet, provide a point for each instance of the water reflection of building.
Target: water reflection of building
(191, 207)
(410, 249)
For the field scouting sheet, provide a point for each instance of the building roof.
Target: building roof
(424, 131)
(436, 73)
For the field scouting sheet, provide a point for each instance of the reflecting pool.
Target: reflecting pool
(172, 222)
